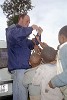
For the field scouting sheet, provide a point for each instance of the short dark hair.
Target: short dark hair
(35, 59)
(63, 31)
(48, 54)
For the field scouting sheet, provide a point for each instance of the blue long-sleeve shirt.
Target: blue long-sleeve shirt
(61, 79)
(19, 47)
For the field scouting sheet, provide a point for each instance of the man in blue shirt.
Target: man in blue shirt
(19, 50)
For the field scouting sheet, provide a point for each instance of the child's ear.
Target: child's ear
(63, 38)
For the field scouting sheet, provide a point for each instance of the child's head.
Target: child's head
(48, 54)
(35, 59)
(62, 37)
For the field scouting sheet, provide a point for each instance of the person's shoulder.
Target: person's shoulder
(63, 49)
(63, 46)
(46, 66)
(30, 70)
(12, 26)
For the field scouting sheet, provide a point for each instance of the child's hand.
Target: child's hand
(33, 39)
(37, 37)
(50, 85)
(37, 49)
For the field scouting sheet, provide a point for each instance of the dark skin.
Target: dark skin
(36, 48)
(42, 44)
(50, 85)
(35, 60)
(62, 39)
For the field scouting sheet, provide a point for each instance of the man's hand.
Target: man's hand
(50, 85)
(35, 27)
(40, 30)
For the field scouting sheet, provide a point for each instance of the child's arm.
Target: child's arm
(37, 49)
(42, 44)
(25, 81)
(61, 79)
(40, 30)
(28, 76)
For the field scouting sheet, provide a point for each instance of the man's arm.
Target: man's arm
(33, 42)
(19, 32)
(28, 30)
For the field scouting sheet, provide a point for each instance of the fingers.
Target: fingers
(37, 37)
(50, 85)
(37, 28)
(40, 30)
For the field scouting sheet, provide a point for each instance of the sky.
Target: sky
(51, 15)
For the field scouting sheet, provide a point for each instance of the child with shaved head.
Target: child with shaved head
(34, 91)
(45, 72)
(37, 78)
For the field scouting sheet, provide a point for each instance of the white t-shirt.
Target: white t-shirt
(43, 75)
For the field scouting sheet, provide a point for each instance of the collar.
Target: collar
(62, 45)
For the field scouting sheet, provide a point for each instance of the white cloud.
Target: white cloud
(51, 15)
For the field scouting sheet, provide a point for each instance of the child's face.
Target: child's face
(35, 60)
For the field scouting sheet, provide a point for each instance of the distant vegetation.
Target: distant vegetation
(12, 8)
